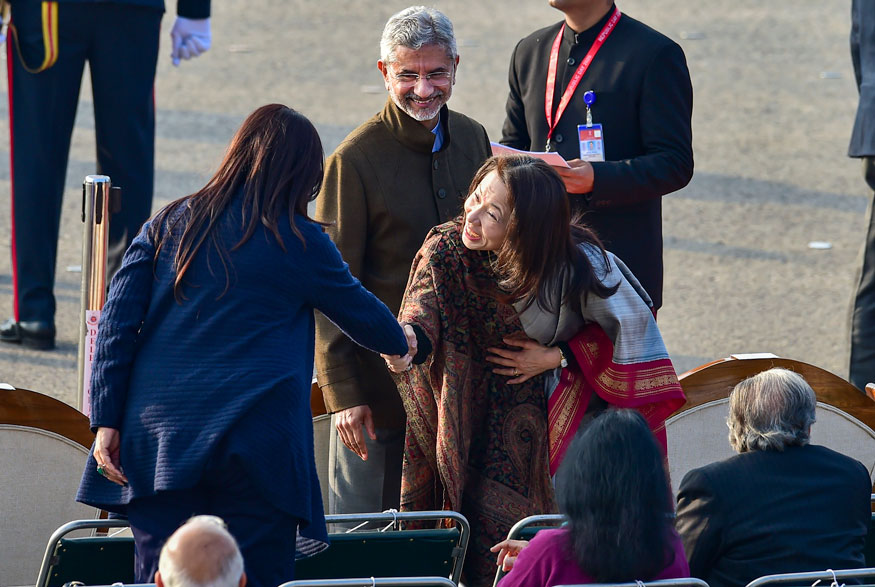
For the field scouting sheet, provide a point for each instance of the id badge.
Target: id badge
(592, 142)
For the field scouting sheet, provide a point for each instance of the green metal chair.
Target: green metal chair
(828, 576)
(374, 582)
(91, 560)
(685, 582)
(408, 555)
(526, 528)
(391, 552)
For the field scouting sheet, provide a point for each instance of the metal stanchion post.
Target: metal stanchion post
(99, 200)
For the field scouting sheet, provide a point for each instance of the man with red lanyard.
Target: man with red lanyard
(614, 98)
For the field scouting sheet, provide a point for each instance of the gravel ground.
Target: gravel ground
(774, 106)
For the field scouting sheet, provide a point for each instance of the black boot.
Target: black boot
(35, 334)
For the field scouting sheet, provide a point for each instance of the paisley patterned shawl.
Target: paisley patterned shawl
(474, 444)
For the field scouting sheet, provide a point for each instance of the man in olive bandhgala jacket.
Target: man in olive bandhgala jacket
(392, 179)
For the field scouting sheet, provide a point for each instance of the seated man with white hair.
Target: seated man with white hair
(201, 553)
(781, 505)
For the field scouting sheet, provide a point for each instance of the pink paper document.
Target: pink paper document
(554, 159)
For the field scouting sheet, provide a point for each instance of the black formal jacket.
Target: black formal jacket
(863, 58)
(644, 100)
(195, 9)
(765, 512)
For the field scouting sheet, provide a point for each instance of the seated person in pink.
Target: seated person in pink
(613, 487)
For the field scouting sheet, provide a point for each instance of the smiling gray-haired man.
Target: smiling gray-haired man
(781, 505)
(391, 180)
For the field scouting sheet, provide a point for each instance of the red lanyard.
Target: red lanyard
(581, 69)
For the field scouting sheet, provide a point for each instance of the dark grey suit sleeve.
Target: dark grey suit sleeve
(855, 42)
(665, 119)
(863, 57)
(865, 485)
(193, 8)
(699, 522)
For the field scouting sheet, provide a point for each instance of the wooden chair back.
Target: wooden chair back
(45, 445)
(697, 432)
(716, 379)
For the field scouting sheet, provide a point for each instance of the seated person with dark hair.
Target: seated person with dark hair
(781, 505)
(613, 488)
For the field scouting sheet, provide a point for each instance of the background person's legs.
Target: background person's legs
(123, 62)
(862, 361)
(42, 108)
(357, 486)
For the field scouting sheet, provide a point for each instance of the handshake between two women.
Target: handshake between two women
(398, 363)
(529, 361)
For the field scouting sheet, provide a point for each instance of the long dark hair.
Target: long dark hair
(613, 487)
(541, 247)
(276, 158)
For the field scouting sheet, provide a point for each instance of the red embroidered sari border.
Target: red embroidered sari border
(651, 387)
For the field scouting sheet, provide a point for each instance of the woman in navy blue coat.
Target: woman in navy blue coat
(201, 378)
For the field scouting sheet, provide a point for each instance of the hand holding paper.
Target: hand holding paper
(554, 159)
(578, 176)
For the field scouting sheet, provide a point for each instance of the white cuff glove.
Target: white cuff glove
(190, 37)
(6, 16)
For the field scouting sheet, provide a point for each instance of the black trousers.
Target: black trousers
(862, 363)
(120, 44)
(266, 535)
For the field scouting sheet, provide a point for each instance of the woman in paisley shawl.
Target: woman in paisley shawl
(512, 268)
